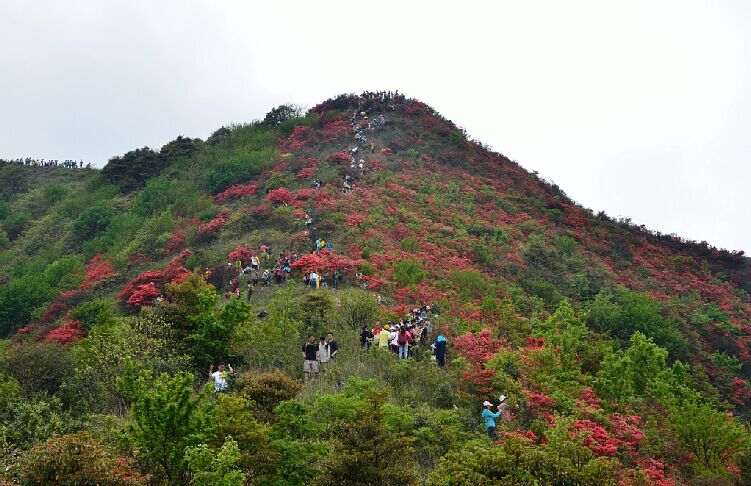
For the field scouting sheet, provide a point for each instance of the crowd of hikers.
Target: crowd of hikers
(68, 163)
(263, 270)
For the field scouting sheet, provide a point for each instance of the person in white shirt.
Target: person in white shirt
(323, 353)
(219, 377)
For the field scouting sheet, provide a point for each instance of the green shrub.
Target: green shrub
(215, 467)
(94, 312)
(240, 167)
(38, 367)
(409, 272)
(410, 245)
(469, 283)
(166, 419)
(77, 459)
(267, 390)
(92, 221)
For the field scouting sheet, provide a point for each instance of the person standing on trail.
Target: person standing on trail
(310, 358)
(439, 349)
(366, 337)
(384, 338)
(403, 339)
(504, 409)
(489, 418)
(323, 353)
(219, 377)
(333, 347)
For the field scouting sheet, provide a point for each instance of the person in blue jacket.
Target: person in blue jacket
(439, 348)
(489, 418)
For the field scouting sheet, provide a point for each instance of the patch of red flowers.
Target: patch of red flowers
(67, 333)
(213, 227)
(280, 196)
(236, 191)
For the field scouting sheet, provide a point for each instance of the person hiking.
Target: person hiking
(324, 356)
(333, 347)
(489, 418)
(384, 338)
(402, 340)
(366, 337)
(394, 342)
(503, 407)
(310, 358)
(439, 349)
(219, 377)
(251, 288)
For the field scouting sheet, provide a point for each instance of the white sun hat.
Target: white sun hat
(487, 404)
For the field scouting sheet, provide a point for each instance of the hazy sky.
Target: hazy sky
(638, 108)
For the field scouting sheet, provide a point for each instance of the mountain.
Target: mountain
(624, 352)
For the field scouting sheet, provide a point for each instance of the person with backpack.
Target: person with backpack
(403, 339)
(439, 350)
(366, 337)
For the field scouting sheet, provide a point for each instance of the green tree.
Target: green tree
(258, 457)
(215, 468)
(166, 419)
(281, 114)
(21, 300)
(356, 308)
(638, 371)
(623, 312)
(267, 390)
(713, 438)
(365, 452)
(213, 331)
(92, 221)
(133, 169)
(317, 308)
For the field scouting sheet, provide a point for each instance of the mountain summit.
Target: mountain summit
(624, 352)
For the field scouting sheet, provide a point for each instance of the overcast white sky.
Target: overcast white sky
(639, 108)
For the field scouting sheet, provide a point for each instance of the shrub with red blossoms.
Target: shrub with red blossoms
(655, 471)
(355, 220)
(173, 273)
(67, 333)
(144, 295)
(241, 253)
(305, 173)
(588, 399)
(53, 312)
(97, 269)
(213, 227)
(325, 261)
(177, 242)
(339, 157)
(301, 238)
(478, 348)
(595, 437)
(280, 196)
(236, 191)
(625, 428)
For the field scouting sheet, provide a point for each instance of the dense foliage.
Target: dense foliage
(624, 352)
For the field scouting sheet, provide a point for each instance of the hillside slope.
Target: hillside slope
(606, 337)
